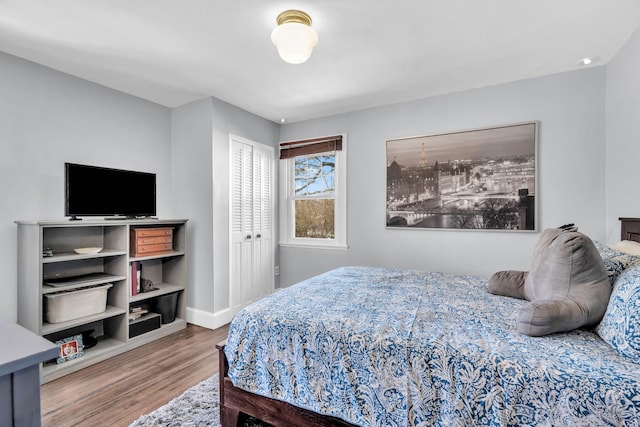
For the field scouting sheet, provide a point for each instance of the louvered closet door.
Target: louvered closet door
(262, 245)
(242, 218)
(251, 217)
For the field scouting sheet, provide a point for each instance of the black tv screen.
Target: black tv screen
(98, 191)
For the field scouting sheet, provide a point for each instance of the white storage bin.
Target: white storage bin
(64, 306)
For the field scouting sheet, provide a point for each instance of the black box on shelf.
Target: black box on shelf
(146, 323)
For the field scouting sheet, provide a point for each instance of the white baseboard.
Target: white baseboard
(207, 319)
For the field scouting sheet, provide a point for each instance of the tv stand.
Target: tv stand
(115, 218)
(66, 270)
(128, 218)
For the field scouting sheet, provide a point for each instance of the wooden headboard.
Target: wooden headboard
(630, 229)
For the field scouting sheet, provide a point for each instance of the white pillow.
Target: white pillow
(628, 247)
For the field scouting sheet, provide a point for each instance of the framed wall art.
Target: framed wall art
(481, 179)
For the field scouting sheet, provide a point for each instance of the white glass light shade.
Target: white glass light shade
(295, 41)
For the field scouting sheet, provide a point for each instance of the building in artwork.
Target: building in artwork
(423, 182)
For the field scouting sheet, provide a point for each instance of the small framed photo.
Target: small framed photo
(70, 348)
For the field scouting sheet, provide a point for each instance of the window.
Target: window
(313, 193)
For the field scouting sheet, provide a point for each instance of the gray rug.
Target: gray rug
(197, 406)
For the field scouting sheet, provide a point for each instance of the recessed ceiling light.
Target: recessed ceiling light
(587, 61)
(282, 120)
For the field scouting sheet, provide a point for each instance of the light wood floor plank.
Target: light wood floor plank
(117, 391)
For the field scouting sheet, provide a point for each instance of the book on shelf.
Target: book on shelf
(136, 270)
(137, 312)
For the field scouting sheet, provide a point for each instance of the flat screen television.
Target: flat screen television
(99, 191)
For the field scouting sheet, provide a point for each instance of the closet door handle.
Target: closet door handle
(258, 236)
(248, 237)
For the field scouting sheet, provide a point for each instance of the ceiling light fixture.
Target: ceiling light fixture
(294, 37)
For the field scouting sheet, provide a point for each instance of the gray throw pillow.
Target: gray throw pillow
(567, 285)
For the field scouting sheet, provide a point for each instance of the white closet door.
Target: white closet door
(262, 221)
(251, 217)
(242, 228)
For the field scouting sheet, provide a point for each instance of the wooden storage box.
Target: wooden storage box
(151, 241)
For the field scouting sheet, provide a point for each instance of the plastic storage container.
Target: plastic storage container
(65, 306)
(166, 306)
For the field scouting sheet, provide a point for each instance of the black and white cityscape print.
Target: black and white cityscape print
(476, 179)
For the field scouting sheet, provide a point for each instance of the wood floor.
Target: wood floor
(117, 391)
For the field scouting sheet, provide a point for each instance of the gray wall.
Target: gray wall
(623, 136)
(192, 185)
(200, 150)
(571, 188)
(48, 118)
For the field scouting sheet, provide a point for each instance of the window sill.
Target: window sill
(311, 245)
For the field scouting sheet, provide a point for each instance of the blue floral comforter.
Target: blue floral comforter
(389, 347)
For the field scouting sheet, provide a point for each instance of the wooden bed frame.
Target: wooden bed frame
(233, 400)
(275, 412)
(630, 229)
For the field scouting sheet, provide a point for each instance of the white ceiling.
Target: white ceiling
(370, 52)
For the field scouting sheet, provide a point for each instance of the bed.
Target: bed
(389, 347)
